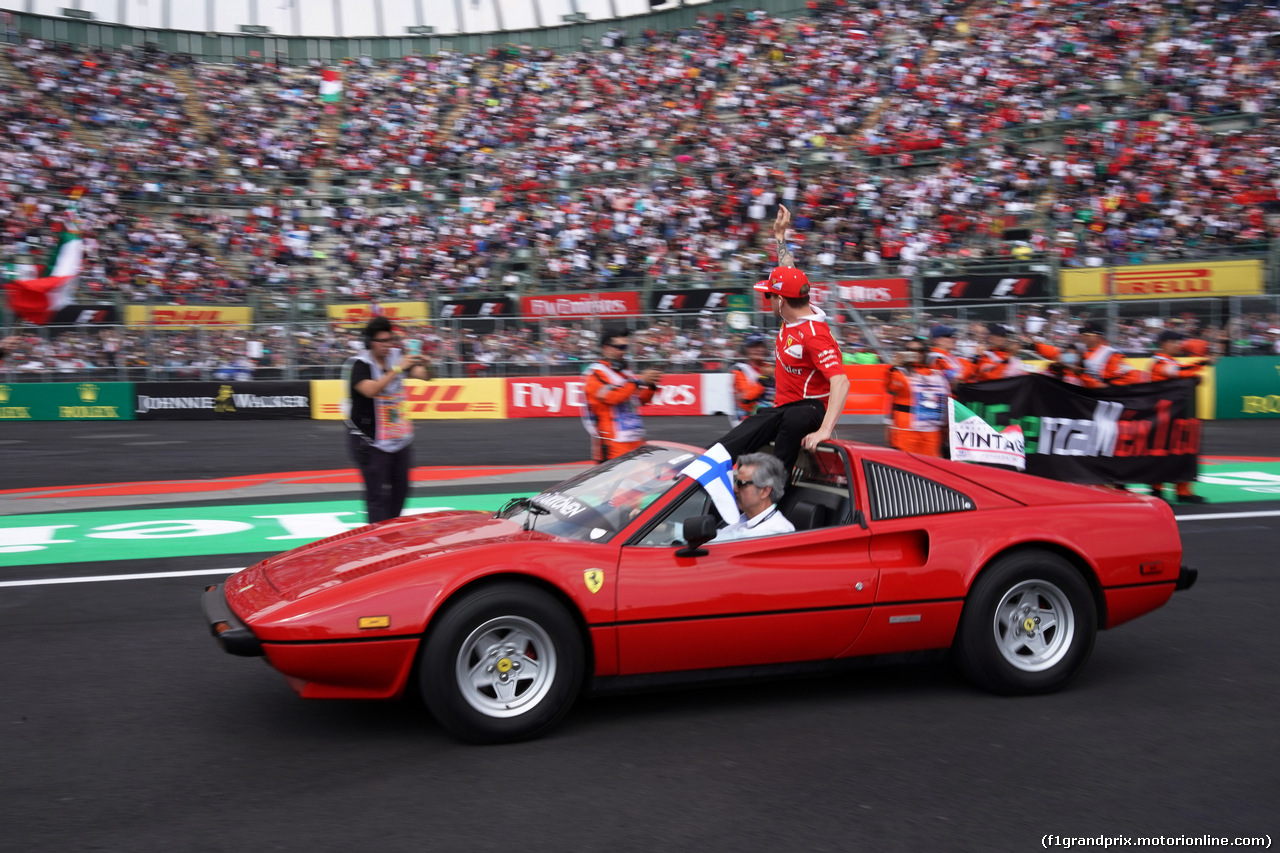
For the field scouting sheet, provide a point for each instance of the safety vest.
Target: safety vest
(753, 379)
(1097, 361)
(922, 404)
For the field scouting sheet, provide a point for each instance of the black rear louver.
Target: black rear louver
(897, 494)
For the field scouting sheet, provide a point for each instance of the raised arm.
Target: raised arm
(780, 225)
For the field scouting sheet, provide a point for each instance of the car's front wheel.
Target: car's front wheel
(1028, 625)
(503, 663)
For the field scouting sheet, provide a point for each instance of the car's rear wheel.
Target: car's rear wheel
(503, 663)
(1028, 625)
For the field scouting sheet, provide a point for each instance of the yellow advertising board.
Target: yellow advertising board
(188, 316)
(437, 400)
(1190, 280)
(359, 313)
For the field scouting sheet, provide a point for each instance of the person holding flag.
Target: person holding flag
(1165, 366)
(37, 300)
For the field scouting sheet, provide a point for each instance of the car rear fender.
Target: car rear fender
(1073, 557)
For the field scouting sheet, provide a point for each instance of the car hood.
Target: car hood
(365, 551)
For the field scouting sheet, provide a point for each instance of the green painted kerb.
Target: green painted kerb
(140, 534)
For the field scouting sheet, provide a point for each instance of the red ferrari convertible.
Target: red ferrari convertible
(610, 580)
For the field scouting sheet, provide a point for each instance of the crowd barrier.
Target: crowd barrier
(1244, 387)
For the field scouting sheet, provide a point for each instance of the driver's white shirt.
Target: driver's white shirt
(766, 523)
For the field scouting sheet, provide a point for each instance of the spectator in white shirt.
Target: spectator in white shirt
(758, 483)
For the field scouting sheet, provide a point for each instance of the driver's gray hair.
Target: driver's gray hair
(769, 473)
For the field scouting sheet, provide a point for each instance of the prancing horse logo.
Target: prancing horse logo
(594, 579)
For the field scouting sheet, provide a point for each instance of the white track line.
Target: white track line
(1215, 515)
(137, 577)
(151, 575)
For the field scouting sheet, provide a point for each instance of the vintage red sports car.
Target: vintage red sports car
(609, 580)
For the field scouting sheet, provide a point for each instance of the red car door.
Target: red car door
(799, 596)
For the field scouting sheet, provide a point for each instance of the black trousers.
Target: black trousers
(386, 477)
(786, 426)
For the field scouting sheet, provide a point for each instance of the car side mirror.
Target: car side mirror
(697, 531)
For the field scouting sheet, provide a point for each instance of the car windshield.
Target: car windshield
(596, 504)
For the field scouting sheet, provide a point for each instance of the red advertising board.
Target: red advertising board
(871, 293)
(561, 396)
(613, 303)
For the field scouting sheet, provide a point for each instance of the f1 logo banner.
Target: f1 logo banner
(1128, 434)
(974, 289)
(692, 301)
(490, 308)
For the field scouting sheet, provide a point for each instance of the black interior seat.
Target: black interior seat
(808, 508)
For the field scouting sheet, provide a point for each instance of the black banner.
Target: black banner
(692, 301)
(83, 315)
(1144, 433)
(492, 307)
(216, 401)
(973, 289)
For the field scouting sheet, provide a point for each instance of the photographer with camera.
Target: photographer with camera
(918, 412)
(380, 435)
(613, 396)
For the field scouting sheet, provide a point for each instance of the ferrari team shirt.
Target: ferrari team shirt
(807, 357)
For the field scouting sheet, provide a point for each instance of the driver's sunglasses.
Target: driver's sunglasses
(742, 484)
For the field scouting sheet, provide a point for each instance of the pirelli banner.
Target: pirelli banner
(189, 316)
(222, 401)
(439, 399)
(66, 401)
(1125, 434)
(1193, 279)
(359, 313)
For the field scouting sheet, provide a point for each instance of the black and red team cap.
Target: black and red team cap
(785, 281)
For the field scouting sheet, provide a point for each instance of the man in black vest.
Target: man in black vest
(380, 437)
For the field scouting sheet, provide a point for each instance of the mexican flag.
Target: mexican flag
(36, 300)
(975, 440)
(330, 86)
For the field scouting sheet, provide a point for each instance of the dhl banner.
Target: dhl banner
(359, 313)
(188, 316)
(1163, 281)
(439, 399)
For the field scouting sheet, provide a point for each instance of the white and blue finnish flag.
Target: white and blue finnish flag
(714, 472)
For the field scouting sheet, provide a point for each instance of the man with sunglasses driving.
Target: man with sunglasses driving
(758, 483)
(612, 399)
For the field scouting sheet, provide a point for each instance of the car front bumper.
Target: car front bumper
(232, 634)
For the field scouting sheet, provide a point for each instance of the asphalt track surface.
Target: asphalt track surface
(124, 727)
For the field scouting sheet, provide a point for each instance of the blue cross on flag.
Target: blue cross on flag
(714, 472)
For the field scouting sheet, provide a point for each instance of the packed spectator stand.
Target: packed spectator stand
(905, 136)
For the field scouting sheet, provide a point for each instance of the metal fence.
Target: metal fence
(525, 346)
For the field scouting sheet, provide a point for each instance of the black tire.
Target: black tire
(1026, 590)
(501, 664)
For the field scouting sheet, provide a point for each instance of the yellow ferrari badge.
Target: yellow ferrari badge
(1028, 624)
(594, 579)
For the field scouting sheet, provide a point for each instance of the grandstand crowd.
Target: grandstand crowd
(901, 132)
